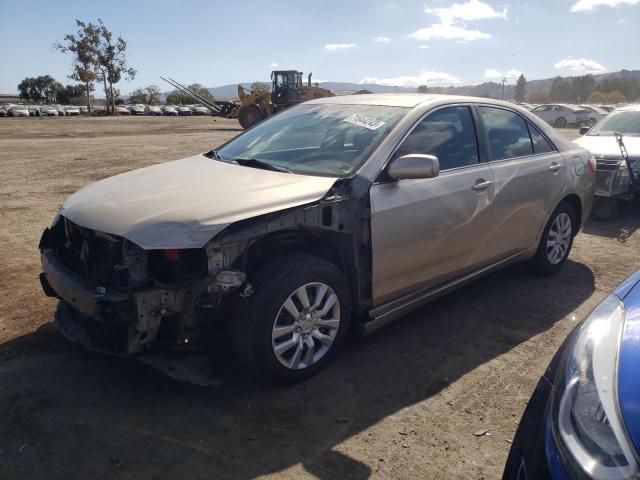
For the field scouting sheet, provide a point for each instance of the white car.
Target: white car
(122, 110)
(18, 111)
(153, 110)
(595, 113)
(138, 109)
(199, 110)
(49, 111)
(72, 110)
(169, 110)
(182, 110)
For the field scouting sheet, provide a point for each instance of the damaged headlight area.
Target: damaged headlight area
(120, 298)
(587, 424)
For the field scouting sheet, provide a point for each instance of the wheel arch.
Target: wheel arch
(575, 202)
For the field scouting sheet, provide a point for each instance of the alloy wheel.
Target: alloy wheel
(306, 326)
(559, 238)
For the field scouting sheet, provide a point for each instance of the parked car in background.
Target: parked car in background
(18, 111)
(595, 114)
(614, 180)
(153, 110)
(49, 111)
(3, 112)
(122, 110)
(583, 419)
(138, 109)
(340, 211)
(169, 110)
(184, 110)
(34, 110)
(200, 110)
(83, 109)
(61, 111)
(72, 110)
(562, 116)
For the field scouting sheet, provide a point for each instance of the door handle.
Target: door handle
(481, 185)
(555, 166)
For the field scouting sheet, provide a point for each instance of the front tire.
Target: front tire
(296, 320)
(249, 115)
(556, 241)
(561, 122)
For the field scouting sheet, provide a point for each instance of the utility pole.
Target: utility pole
(502, 93)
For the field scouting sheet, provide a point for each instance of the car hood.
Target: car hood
(184, 203)
(608, 146)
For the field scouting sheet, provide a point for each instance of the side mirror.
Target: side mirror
(414, 166)
(584, 130)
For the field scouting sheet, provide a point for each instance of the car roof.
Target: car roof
(408, 100)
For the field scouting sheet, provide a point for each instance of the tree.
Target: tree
(111, 62)
(538, 97)
(583, 86)
(83, 45)
(521, 89)
(606, 97)
(42, 89)
(71, 94)
(178, 98)
(422, 89)
(149, 95)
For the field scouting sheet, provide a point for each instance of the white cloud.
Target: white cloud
(273, 65)
(472, 10)
(425, 77)
(336, 46)
(509, 74)
(448, 32)
(452, 24)
(588, 5)
(424, 46)
(382, 40)
(580, 65)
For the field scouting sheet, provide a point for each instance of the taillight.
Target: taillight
(173, 255)
(592, 163)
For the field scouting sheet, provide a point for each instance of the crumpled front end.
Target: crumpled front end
(147, 304)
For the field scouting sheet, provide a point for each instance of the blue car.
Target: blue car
(583, 419)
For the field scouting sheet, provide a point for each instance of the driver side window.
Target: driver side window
(449, 134)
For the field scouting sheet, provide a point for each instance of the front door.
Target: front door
(427, 231)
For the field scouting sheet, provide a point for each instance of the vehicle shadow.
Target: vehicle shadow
(71, 414)
(626, 223)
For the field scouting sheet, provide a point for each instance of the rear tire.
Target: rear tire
(561, 122)
(556, 241)
(604, 209)
(273, 332)
(249, 115)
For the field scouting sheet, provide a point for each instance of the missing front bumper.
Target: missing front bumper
(190, 367)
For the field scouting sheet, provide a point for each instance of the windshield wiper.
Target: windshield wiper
(255, 163)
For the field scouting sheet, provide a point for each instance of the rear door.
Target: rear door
(426, 231)
(529, 176)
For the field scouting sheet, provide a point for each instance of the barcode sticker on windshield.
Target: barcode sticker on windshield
(364, 121)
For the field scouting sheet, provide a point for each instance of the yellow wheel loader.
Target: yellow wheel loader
(287, 89)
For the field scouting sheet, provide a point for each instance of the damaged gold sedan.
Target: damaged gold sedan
(337, 213)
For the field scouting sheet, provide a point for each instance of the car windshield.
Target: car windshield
(625, 122)
(316, 139)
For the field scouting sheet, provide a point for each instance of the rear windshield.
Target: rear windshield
(315, 139)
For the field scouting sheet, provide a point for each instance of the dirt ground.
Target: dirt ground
(402, 403)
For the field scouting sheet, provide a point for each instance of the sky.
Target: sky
(406, 43)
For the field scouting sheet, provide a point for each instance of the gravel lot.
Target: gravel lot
(402, 403)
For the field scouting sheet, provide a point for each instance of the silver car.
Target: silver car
(340, 213)
(562, 116)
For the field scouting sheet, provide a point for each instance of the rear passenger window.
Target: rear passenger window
(507, 132)
(540, 144)
(449, 134)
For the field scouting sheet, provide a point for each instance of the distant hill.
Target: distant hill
(486, 89)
